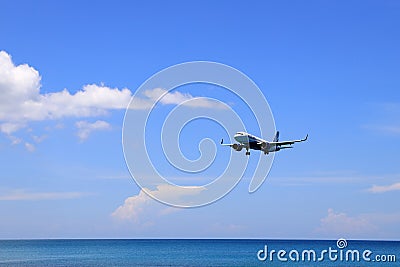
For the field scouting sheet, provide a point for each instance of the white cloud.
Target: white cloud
(177, 98)
(17, 83)
(140, 207)
(21, 101)
(39, 139)
(21, 194)
(14, 140)
(30, 147)
(93, 100)
(86, 128)
(340, 224)
(9, 127)
(132, 207)
(384, 188)
(384, 129)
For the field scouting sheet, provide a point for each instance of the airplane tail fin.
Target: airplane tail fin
(276, 138)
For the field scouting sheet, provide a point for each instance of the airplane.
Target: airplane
(249, 141)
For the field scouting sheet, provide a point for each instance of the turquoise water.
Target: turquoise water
(165, 252)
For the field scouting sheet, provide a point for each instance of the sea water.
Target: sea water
(199, 252)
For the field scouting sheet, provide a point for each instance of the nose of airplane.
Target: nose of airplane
(238, 136)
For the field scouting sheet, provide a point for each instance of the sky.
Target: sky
(68, 70)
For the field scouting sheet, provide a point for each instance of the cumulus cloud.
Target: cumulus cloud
(86, 128)
(177, 98)
(141, 205)
(384, 188)
(92, 100)
(340, 224)
(22, 102)
(132, 207)
(17, 83)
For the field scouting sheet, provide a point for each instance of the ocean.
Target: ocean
(198, 252)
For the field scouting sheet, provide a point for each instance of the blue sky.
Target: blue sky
(327, 68)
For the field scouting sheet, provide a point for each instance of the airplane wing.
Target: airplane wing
(222, 143)
(281, 143)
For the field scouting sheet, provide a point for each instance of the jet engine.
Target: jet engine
(265, 147)
(237, 147)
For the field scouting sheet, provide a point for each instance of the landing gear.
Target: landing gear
(247, 151)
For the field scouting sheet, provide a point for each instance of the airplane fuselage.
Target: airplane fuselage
(253, 142)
